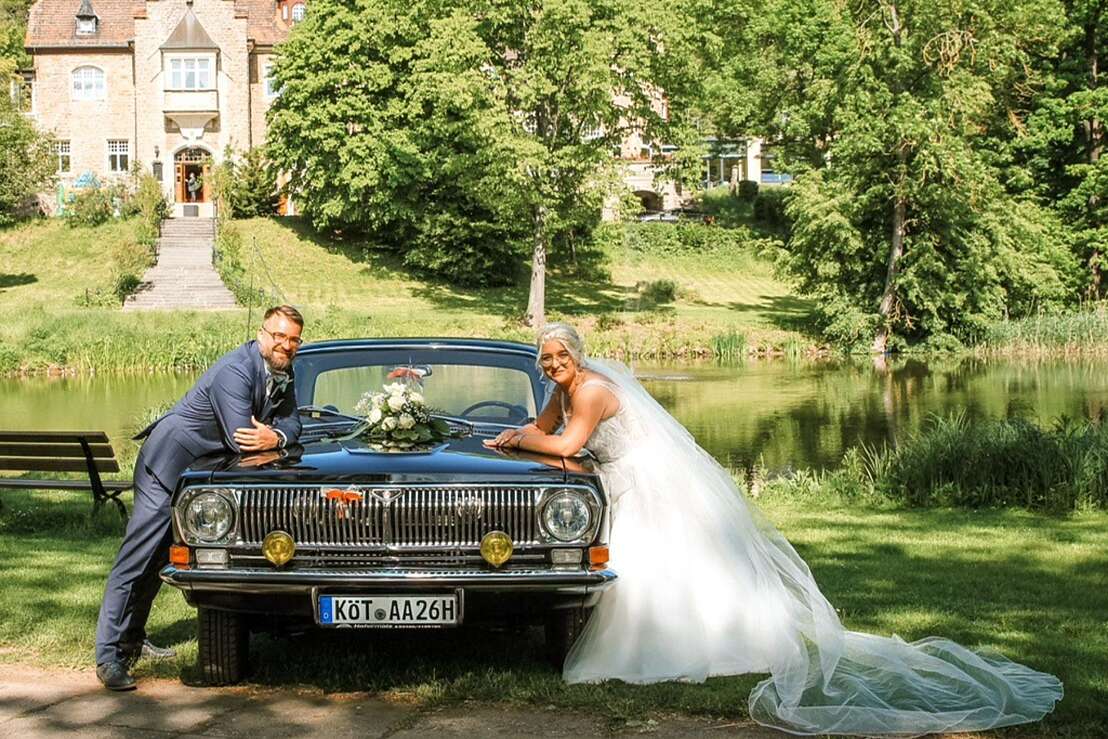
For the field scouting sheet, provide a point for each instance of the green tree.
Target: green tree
(246, 184)
(904, 227)
(27, 163)
(466, 133)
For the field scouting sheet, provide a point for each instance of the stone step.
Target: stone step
(183, 276)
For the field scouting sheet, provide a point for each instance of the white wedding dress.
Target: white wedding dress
(708, 587)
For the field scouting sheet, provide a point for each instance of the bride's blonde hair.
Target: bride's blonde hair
(568, 337)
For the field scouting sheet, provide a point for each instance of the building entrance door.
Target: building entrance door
(192, 176)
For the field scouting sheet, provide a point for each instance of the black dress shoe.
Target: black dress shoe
(114, 676)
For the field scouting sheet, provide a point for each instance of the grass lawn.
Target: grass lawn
(1032, 586)
(349, 290)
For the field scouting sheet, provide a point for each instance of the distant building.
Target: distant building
(166, 84)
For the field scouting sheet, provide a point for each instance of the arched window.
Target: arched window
(298, 11)
(88, 83)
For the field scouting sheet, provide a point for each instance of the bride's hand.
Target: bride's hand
(504, 438)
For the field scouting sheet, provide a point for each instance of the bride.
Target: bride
(708, 587)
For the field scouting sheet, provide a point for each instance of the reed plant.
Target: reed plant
(729, 345)
(1082, 332)
(952, 461)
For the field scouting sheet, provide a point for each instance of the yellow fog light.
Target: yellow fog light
(278, 547)
(496, 548)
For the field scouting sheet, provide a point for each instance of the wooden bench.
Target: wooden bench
(63, 451)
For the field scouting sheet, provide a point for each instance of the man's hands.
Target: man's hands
(256, 439)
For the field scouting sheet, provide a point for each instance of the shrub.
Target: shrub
(677, 238)
(769, 207)
(658, 292)
(244, 185)
(748, 190)
(90, 207)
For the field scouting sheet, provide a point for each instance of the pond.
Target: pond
(783, 414)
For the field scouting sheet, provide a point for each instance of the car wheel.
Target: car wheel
(223, 643)
(563, 626)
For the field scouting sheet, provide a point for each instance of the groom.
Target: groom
(243, 403)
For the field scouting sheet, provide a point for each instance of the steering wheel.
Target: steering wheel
(515, 412)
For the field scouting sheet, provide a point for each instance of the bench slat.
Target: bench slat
(39, 464)
(93, 437)
(24, 483)
(99, 451)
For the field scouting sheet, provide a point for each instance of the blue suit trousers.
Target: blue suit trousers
(134, 582)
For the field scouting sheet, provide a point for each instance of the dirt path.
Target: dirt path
(37, 702)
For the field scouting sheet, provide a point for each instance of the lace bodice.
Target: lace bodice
(612, 438)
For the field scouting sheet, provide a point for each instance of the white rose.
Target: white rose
(388, 424)
(375, 415)
(405, 421)
(416, 398)
(396, 402)
(394, 388)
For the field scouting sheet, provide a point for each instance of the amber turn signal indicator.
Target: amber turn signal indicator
(598, 556)
(179, 555)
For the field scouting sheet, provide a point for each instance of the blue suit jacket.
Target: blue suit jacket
(204, 421)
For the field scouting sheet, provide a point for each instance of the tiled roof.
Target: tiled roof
(52, 23)
(264, 26)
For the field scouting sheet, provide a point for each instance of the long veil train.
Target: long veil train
(708, 587)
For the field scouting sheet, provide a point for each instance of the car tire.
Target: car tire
(223, 642)
(563, 626)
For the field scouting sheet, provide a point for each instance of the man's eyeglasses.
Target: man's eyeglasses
(282, 338)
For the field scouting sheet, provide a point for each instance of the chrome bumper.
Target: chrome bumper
(249, 580)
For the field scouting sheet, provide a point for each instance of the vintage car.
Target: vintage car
(337, 533)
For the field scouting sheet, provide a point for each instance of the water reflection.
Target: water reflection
(786, 414)
(806, 414)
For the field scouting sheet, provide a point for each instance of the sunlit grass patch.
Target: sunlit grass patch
(1030, 585)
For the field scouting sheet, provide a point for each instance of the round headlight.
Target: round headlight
(566, 516)
(209, 516)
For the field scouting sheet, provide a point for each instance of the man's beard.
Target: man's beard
(277, 362)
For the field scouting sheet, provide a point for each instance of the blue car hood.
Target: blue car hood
(353, 461)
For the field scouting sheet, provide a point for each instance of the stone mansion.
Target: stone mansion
(169, 84)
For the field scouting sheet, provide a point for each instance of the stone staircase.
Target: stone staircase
(183, 277)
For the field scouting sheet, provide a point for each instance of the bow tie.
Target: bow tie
(275, 384)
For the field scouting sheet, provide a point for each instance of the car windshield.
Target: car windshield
(469, 385)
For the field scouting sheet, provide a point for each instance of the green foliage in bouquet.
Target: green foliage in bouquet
(397, 418)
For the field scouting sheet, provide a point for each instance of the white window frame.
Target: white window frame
(303, 12)
(190, 72)
(88, 83)
(119, 156)
(268, 83)
(63, 148)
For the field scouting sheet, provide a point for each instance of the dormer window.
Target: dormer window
(87, 19)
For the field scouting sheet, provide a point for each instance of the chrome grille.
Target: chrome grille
(416, 516)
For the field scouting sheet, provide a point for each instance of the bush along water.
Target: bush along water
(953, 462)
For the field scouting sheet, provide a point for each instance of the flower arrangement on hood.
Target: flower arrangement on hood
(397, 417)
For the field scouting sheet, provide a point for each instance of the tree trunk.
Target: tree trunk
(536, 301)
(900, 209)
(1094, 141)
(896, 251)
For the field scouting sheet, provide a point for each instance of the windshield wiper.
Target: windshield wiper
(457, 420)
(328, 412)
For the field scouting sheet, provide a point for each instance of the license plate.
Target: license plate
(389, 610)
